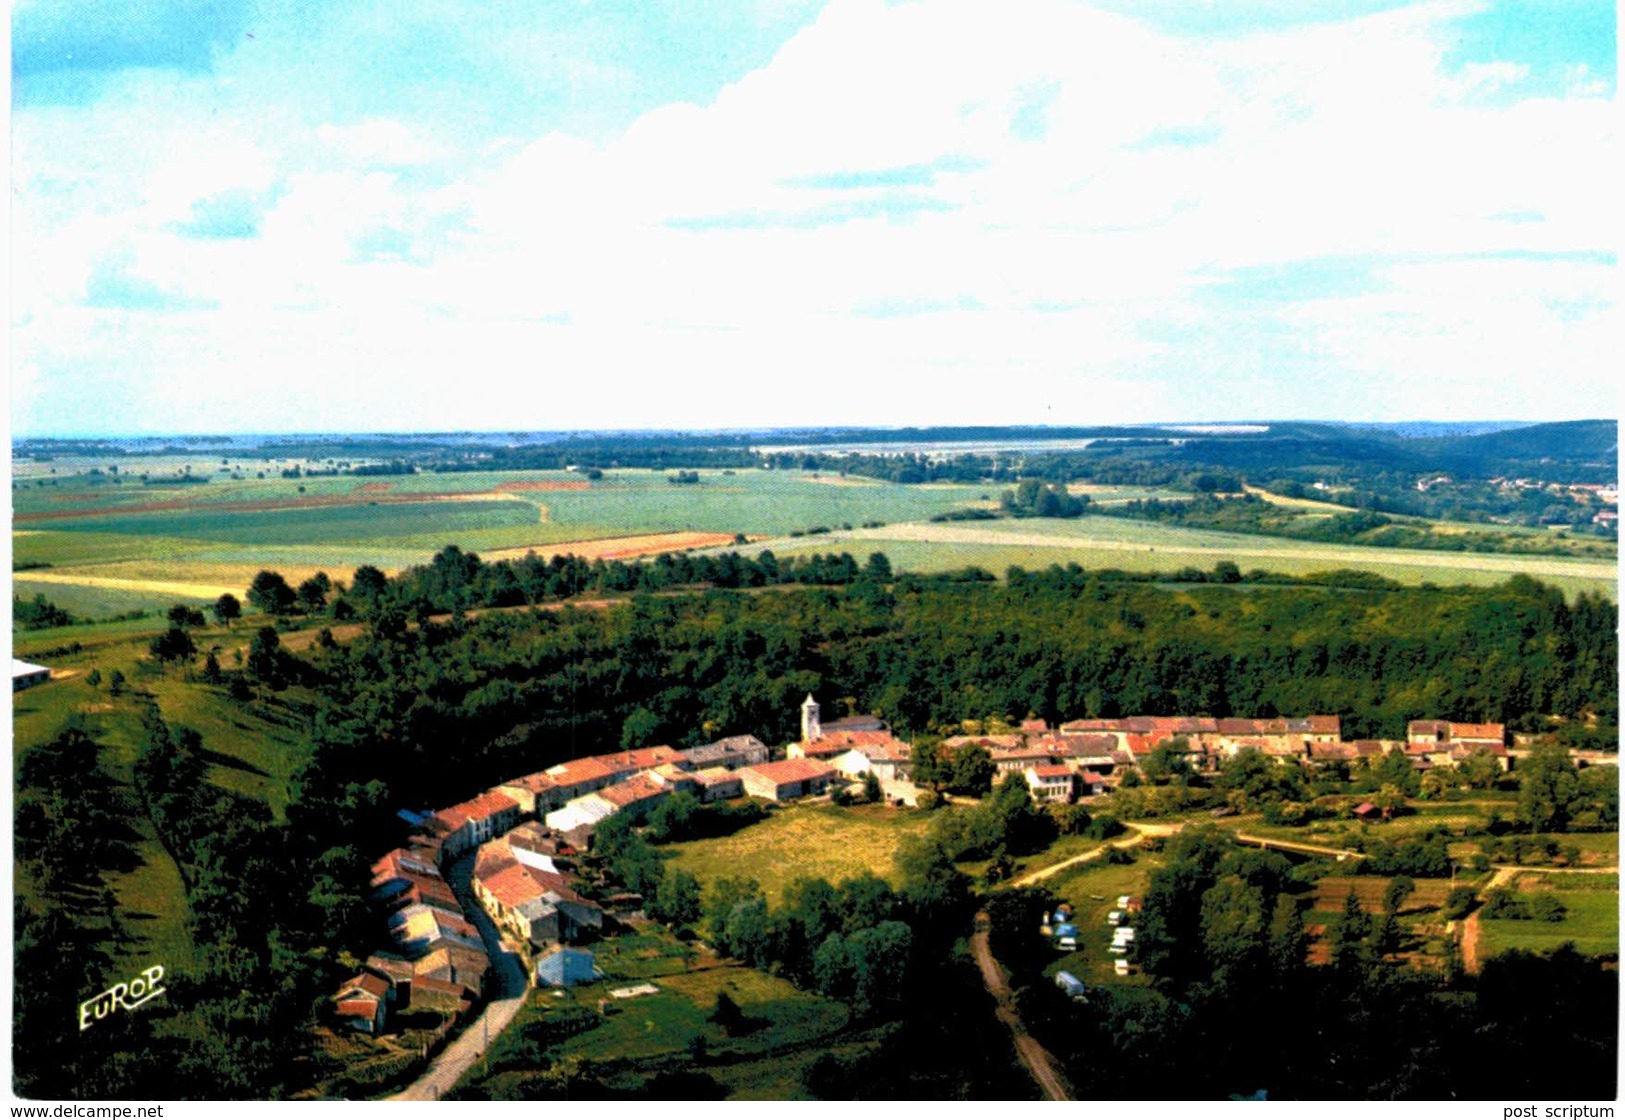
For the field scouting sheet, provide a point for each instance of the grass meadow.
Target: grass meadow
(106, 549)
(99, 548)
(804, 841)
(1591, 921)
(250, 750)
(633, 1039)
(1103, 542)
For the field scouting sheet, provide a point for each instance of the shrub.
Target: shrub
(1502, 903)
(1546, 907)
(1459, 902)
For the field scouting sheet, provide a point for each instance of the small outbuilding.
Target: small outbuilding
(1071, 985)
(563, 968)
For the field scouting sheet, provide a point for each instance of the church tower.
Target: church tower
(810, 729)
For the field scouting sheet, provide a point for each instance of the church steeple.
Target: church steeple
(810, 728)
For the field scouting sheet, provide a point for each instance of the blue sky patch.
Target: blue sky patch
(112, 285)
(233, 214)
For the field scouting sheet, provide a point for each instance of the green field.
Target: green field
(195, 544)
(633, 1039)
(1106, 542)
(1592, 921)
(152, 545)
(1093, 890)
(99, 602)
(249, 751)
(804, 841)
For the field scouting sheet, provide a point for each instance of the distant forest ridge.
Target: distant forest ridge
(1478, 449)
(1250, 430)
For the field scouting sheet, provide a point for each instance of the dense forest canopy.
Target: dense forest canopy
(481, 697)
(419, 710)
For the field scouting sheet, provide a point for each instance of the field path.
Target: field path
(1142, 832)
(1033, 1056)
(1505, 874)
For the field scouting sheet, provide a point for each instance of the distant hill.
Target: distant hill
(1573, 442)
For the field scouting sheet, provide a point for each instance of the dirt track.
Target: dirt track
(1033, 1056)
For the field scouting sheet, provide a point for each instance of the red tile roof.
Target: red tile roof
(632, 791)
(791, 770)
(579, 771)
(1052, 771)
(534, 783)
(643, 758)
(450, 819)
(511, 885)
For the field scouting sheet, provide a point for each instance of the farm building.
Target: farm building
(27, 675)
(731, 754)
(534, 793)
(576, 821)
(444, 996)
(362, 1003)
(563, 968)
(717, 783)
(787, 780)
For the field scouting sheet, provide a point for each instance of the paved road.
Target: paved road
(1037, 1060)
(505, 987)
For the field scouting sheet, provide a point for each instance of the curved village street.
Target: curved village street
(1028, 1049)
(506, 985)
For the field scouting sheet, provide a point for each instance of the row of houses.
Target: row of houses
(436, 960)
(524, 832)
(1084, 757)
(523, 880)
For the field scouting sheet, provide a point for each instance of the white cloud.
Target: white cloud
(939, 212)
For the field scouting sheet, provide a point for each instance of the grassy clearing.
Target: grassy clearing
(1064, 848)
(670, 1030)
(667, 1021)
(804, 841)
(248, 753)
(1592, 923)
(1093, 890)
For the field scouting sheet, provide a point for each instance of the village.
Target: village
(514, 849)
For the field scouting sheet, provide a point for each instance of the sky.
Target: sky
(351, 215)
